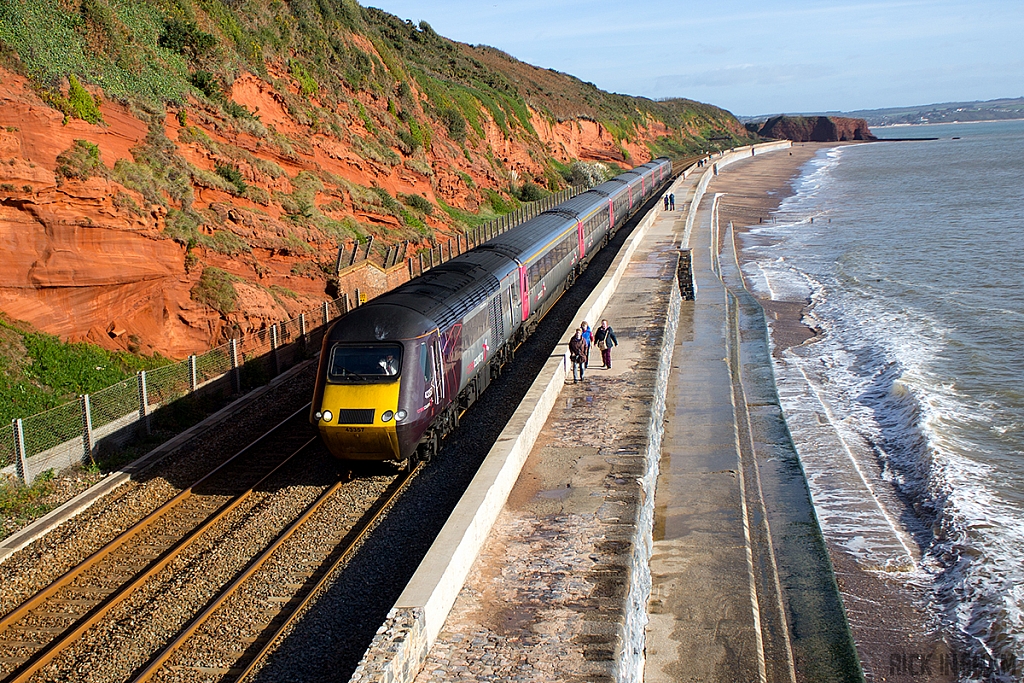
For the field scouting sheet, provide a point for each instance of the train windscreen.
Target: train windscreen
(355, 364)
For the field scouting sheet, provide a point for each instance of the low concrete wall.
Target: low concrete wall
(631, 658)
(400, 646)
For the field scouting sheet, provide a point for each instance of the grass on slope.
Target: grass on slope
(38, 371)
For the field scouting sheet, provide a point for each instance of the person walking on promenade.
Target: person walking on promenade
(605, 339)
(588, 337)
(671, 202)
(577, 349)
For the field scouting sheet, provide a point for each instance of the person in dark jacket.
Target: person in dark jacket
(577, 355)
(604, 337)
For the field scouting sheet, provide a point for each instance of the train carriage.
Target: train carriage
(395, 373)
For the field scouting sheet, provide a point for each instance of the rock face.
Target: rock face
(95, 257)
(816, 129)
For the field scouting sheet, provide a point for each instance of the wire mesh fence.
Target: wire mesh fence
(118, 416)
(113, 403)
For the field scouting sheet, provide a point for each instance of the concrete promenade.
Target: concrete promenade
(549, 598)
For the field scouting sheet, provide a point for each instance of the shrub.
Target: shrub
(233, 176)
(418, 202)
(454, 122)
(236, 110)
(307, 84)
(216, 289)
(587, 174)
(185, 38)
(82, 104)
(206, 83)
(183, 226)
(528, 192)
(387, 200)
(123, 200)
(80, 161)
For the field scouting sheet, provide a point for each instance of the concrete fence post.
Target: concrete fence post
(337, 262)
(409, 261)
(327, 312)
(87, 445)
(193, 382)
(21, 460)
(273, 349)
(369, 245)
(344, 302)
(359, 299)
(302, 327)
(144, 403)
(236, 366)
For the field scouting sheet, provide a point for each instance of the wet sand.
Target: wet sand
(896, 637)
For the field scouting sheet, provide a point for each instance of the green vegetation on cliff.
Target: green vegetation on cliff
(38, 371)
(157, 52)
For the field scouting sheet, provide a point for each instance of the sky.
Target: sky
(752, 58)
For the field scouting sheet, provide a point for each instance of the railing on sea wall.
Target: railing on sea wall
(121, 416)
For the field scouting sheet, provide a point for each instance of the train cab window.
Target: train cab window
(356, 364)
(426, 365)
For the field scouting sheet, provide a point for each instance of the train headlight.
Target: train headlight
(386, 416)
(401, 415)
(318, 415)
(328, 416)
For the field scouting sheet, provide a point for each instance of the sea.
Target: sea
(911, 254)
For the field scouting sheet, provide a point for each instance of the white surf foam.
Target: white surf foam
(867, 394)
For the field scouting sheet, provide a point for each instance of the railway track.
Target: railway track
(262, 617)
(174, 571)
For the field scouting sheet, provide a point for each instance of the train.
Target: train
(396, 373)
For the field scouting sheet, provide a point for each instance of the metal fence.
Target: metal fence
(122, 415)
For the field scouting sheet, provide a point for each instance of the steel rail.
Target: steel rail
(325, 575)
(216, 603)
(48, 651)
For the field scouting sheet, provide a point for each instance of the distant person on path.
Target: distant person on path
(666, 202)
(672, 202)
(577, 354)
(605, 339)
(588, 337)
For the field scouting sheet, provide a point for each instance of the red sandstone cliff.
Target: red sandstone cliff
(816, 129)
(91, 258)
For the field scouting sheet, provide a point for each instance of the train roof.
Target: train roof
(585, 203)
(447, 292)
(527, 238)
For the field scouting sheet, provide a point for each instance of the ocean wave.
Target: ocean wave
(877, 359)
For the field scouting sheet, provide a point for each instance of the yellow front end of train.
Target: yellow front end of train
(358, 421)
(356, 407)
